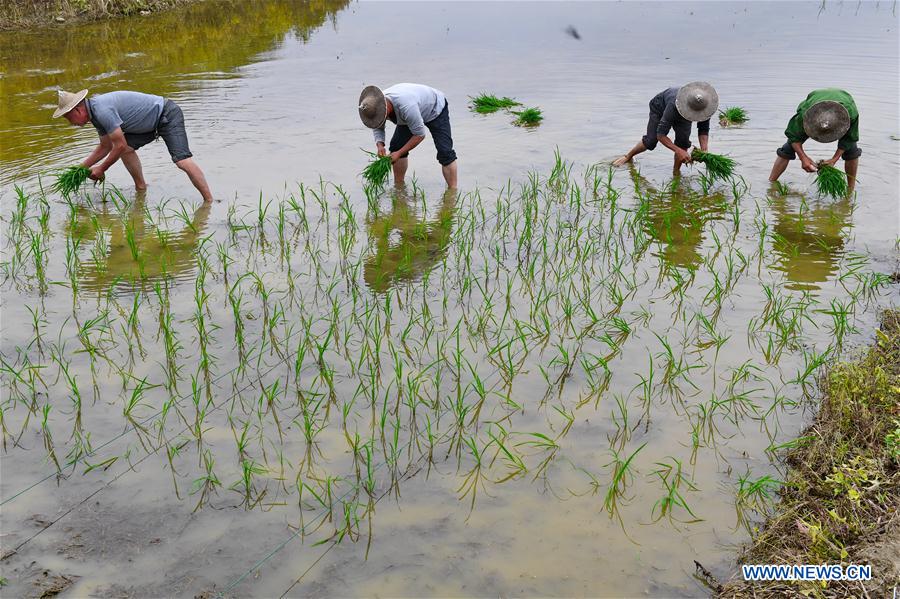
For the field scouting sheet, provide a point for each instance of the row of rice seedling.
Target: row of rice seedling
(530, 310)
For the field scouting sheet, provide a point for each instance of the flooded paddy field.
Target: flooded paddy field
(565, 379)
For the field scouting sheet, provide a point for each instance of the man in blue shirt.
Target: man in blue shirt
(126, 121)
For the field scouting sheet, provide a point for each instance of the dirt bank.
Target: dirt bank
(20, 14)
(841, 502)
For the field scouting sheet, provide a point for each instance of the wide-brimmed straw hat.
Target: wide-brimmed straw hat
(372, 109)
(697, 101)
(68, 101)
(826, 121)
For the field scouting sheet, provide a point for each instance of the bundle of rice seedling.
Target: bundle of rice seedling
(529, 117)
(69, 180)
(717, 165)
(377, 171)
(733, 115)
(488, 103)
(831, 182)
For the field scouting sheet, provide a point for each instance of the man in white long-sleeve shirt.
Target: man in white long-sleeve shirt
(414, 109)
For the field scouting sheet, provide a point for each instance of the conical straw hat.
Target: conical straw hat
(372, 110)
(697, 101)
(826, 121)
(68, 101)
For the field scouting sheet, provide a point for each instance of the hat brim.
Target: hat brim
(75, 101)
(830, 111)
(687, 91)
(376, 96)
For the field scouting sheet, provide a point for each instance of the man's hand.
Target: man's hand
(395, 156)
(682, 156)
(831, 162)
(808, 165)
(97, 173)
(380, 149)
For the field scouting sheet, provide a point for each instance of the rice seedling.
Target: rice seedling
(69, 180)
(733, 115)
(530, 117)
(718, 166)
(378, 169)
(489, 103)
(831, 182)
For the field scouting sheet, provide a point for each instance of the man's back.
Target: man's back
(134, 112)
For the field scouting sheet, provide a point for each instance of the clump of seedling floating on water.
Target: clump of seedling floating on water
(530, 117)
(69, 180)
(733, 115)
(717, 165)
(830, 181)
(376, 172)
(489, 103)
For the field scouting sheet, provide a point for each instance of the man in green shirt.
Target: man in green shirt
(826, 115)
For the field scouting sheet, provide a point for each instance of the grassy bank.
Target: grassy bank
(17, 14)
(841, 502)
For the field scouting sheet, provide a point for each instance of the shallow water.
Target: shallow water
(466, 341)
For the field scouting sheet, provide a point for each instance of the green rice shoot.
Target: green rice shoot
(69, 180)
(530, 117)
(717, 165)
(733, 115)
(831, 182)
(489, 103)
(376, 172)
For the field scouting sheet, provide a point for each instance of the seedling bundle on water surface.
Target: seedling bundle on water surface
(717, 165)
(831, 182)
(69, 180)
(377, 170)
(529, 117)
(489, 103)
(733, 115)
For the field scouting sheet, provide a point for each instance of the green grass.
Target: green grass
(377, 170)
(717, 165)
(489, 103)
(733, 115)
(530, 117)
(831, 182)
(69, 180)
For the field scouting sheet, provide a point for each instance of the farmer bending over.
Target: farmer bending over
(676, 108)
(126, 121)
(826, 115)
(413, 108)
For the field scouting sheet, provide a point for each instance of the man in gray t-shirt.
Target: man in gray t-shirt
(127, 121)
(414, 109)
(676, 108)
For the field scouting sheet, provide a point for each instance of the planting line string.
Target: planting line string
(131, 469)
(74, 506)
(74, 461)
(302, 529)
(281, 545)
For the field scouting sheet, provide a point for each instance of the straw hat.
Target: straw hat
(372, 109)
(697, 101)
(68, 101)
(826, 121)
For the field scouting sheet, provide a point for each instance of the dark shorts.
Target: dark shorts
(440, 132)
(682, 134)
(171, 128)
(851, 153)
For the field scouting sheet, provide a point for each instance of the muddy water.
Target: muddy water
(435, 328)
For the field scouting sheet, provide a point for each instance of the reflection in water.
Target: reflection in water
(130, 250)
(407, 246)
(808, 240)
(675, 218)
(166, 54)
